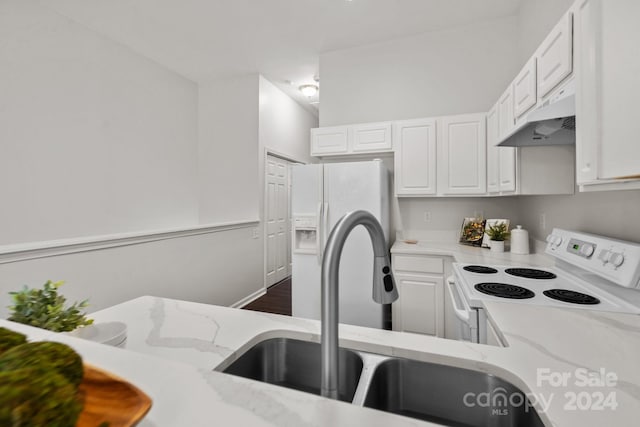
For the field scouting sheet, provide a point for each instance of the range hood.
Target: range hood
(554, 123)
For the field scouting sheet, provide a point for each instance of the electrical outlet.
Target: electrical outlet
(427, 216)
(256, 233)
(542, 221)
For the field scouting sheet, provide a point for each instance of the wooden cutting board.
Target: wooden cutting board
(110, 401)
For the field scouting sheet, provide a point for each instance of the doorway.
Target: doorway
(277, 219)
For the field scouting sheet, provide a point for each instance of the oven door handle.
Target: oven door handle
(461, 313)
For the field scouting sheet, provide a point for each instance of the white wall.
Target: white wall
(94, 139)
(213, 268)
(228, 149)
(445, 72)
(283, 124)
(448, 213)
(610, 213)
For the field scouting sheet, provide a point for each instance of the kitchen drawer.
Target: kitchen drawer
(418, 263)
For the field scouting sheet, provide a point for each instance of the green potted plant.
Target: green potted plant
(45, 308)
(498, 233)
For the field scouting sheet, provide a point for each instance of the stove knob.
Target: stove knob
(604, 256)
(616, 259)
(587, 250)
(557, 241)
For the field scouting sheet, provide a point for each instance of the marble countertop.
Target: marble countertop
(542, 342)
(470, 254)
(175, 348)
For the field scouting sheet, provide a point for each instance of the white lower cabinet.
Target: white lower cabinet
(420, 306)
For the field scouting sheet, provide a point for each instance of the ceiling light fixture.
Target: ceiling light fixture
(308, 90)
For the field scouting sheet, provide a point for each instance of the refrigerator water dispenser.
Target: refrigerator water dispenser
(305, 228)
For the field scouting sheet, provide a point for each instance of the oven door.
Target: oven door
(466, 317)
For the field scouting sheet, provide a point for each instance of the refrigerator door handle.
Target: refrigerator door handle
(319, 234)
(325, 225)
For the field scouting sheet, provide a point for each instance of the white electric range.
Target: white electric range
(591, 273)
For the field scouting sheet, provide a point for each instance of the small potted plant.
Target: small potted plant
(45, 308)
(498, 233)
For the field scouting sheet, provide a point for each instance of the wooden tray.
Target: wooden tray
(109, 400)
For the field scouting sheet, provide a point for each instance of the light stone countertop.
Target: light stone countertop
(559, 340)
(470, 254)
(174, 346)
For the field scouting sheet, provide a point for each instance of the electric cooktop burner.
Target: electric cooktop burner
(571, 296)
(480, 269)
(504, 290)
(530, 273)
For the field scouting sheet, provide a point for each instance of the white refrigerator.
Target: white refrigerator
(320, 195)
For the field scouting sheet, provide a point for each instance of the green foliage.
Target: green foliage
(45, 308)
(37, 396)
(10, 339)
(498, 232)
(53, 355)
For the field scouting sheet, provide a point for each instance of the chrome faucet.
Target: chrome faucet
(384, 288)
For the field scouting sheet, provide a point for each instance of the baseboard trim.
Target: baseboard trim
(249, 299)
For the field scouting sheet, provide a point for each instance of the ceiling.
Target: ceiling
(281, 39)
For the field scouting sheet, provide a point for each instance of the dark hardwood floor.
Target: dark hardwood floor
(277, 299)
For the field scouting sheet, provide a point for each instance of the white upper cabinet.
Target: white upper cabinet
(462, 154)
(525, 89)
(351, 139)
(554, 56)
(371, 137)
(506, 122)
(507, 161)
(415, 157)
(329, 140)
(493, 152)
(501, 161)
(607, 93)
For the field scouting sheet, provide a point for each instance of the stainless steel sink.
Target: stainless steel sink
(447, 395)
(296, 364)
(440, 394)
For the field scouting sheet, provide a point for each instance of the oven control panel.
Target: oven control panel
(581, 248)
(612, 259)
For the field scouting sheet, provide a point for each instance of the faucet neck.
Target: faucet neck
(384, 290)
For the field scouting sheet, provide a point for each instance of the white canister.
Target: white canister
(519, 241)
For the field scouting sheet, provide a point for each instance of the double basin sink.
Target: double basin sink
(432, 392)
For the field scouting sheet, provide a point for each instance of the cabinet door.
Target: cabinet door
(371, 137)
(462, 158)
(415, 157)
(507, 158)
(607, 94)
(555, 56)
(506, 121)
(420, 308)
(329, 140)
(524, 89)
(493, 152)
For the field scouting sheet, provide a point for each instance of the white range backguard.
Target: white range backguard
(327, 192)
